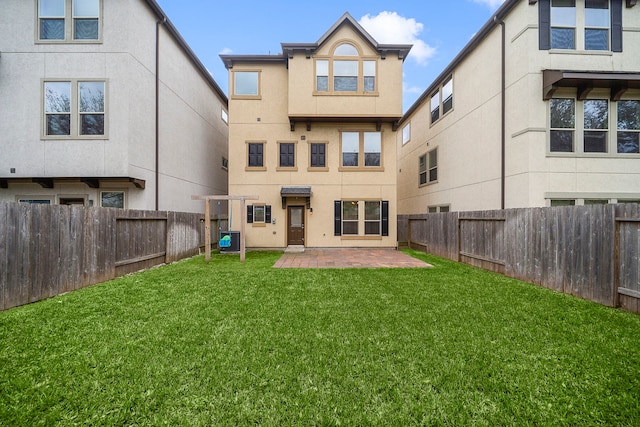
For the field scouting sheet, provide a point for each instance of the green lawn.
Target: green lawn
(230, 343)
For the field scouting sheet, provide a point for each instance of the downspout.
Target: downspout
(157, 130)
(503, 130)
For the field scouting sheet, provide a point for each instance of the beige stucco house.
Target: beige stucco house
(541, 108)
(312, 132)
(104, 104)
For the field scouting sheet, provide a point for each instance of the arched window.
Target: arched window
(345, 71)
(345, 49)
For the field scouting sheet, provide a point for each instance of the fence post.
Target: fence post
(616, 262)
(458, 256)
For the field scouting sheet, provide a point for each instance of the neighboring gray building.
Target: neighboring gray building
(104, 104)
(540, 108)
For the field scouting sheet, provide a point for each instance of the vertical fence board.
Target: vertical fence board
(569, 249)
(4, 230)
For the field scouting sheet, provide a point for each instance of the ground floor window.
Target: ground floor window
(112, 199)
(258, 214)
(591, 201)
(436, 209)
(35, 200)
(361, 218)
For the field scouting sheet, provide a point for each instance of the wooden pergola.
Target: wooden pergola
(207, 221)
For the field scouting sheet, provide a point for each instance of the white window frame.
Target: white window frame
(406, 133)
(69, 24)
(441, 101)
(432, 166)
(579, 125)
(75, 126)
(580, 27)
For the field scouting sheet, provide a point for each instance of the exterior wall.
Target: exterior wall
(468, 137)
(303, 100)
(288, 92)
(193, 138)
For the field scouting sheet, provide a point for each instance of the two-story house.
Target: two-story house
(312, 133)
(104, 104)
(541, 108)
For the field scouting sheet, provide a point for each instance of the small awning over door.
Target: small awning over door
(296, 191)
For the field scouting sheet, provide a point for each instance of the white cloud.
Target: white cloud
(391, 28)
(411, 89)
(226, 51)
(492, 4)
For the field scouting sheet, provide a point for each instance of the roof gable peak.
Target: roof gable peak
(347, 19)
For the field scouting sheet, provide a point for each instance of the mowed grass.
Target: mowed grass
(230, 343)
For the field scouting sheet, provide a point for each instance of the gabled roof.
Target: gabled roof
(289, 49)
(402, 50)
(162, 17)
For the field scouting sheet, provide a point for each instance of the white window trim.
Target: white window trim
(579, 32)
(578, 136)
(438, 92)
(406, 134)
(68, 26)
(74, 132)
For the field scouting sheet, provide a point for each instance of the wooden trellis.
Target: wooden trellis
(207, 221)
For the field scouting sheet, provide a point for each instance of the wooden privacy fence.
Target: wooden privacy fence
(47, 250)
(587, 251)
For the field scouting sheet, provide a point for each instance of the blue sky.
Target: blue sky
(438, 29)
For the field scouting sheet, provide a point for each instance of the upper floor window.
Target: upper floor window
(596, 25)
(255, 155)
(346, 71)
(69, 20)
(246, 84)
(361, 149)
(442, 100)
(583, 126)
(318, 153)
(287, 158)
(588, 25)
(75, 109)
(406, 133)
(563, 24)
(628, 137)
(428, 167)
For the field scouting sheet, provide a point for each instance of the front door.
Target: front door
(295, 233)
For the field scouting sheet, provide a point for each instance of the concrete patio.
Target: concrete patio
(349, 258)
